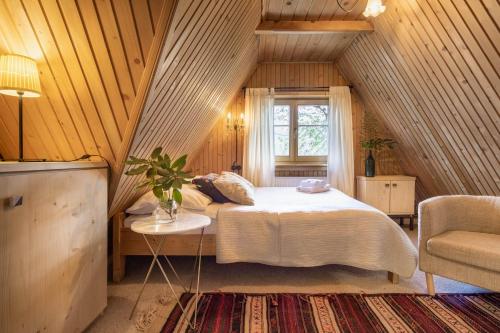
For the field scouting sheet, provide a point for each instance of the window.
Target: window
(300, 130)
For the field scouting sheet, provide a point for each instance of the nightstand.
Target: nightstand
(394, 195)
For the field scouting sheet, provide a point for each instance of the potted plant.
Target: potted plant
(375, 144)
(164, 177)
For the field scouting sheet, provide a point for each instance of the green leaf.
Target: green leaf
(177, 196)
(167, 184)
(151, 172)
(143, 184)
(137, 171)
(177, 183)
(180, 162)
(156, 152)
(158, 192)
(134, 162)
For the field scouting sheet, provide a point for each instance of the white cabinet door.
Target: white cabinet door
(402, 197)
(378, 194)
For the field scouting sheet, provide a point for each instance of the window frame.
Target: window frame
(293, 156)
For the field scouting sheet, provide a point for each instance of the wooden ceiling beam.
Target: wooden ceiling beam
(312, 27)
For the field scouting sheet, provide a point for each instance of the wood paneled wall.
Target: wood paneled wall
(91, 56)
(431, 72)
(218, 151)
(204, 63)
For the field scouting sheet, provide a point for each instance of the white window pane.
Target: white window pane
(281, 140)
(313, 114)
(313, 141)
(282, 115)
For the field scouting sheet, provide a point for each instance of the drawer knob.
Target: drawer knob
(386, 185)
(15, 200)
(394, 185)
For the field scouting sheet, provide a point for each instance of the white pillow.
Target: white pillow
(194, 199)
(191, 199)
(146, 204)
(235, 189)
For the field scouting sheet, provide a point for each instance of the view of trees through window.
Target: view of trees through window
(282, 130)
(300, 130)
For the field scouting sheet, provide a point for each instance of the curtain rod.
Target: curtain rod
(303, 88)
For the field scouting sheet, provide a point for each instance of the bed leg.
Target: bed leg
(118, 259)
(393, 277)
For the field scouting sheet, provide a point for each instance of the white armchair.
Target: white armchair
(459, 238)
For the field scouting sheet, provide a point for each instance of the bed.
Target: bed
(288, 228)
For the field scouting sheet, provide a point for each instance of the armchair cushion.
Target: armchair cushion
(471, 248)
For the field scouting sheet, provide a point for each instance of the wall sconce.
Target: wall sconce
(236, 124)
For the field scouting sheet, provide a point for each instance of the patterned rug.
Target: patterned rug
(287, 313)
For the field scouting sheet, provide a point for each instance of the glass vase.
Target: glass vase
(166, 212)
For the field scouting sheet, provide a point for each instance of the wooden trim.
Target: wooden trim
(146, 82)
(132, 244)
(6, 167)
(312, 27)
(118, 259)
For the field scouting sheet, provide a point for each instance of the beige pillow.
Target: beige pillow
(243, 179)
(235, 189)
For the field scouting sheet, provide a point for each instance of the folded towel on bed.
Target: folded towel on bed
(312, 183)
(313, 186)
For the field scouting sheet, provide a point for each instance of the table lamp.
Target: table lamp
(19, 77)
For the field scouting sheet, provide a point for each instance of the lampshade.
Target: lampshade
(374, 8)
(19, 73)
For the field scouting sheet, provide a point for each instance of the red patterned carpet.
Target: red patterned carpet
(287, 313)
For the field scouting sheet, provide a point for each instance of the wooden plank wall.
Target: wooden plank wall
(91, 56)
(218, 151)
(431, 72)
(213, 51)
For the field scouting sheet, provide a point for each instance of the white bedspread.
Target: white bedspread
(289, 228)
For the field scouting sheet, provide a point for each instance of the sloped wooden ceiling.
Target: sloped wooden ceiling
(309, 47)
(431, 73)
(91, 56)
(211, 53)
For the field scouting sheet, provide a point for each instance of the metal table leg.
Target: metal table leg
(198, 277)
(155, 255)
(157, 261)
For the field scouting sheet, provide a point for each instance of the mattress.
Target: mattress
(211, 211)
(294, 229)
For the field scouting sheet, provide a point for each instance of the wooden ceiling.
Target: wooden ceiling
(204, 63)
(91, 56)
(431, 73)
(311, 47)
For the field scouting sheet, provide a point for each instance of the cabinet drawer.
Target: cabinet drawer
(376, 193)
(402, 197)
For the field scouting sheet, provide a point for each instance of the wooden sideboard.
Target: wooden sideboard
(53, 245)
(394, 195)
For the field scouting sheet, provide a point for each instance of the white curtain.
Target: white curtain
(340, 141)
(258, 146)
